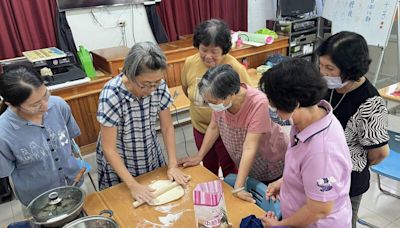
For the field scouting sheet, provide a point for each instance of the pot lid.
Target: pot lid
(93, 221)
(56, 204)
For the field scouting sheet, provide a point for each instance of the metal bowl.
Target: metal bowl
(57, 206)
(92, 221)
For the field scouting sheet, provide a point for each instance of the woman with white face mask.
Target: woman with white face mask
(212, 38)
(344, 60)
(255, 143)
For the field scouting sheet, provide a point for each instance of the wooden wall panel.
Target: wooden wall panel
(84, 110)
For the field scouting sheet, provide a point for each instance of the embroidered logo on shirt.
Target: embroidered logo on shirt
(325, 183)
(62, 137)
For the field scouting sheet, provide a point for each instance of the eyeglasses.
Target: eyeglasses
(148, 85)
(36, 107)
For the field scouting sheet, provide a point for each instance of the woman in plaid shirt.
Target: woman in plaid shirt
(129, 106)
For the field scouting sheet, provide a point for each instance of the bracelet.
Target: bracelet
(236, 190)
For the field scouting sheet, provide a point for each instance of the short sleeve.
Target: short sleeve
(373, 123)
(70, 122)
(7, 160)
(259, 122)
(184, 79)
(164, 96)
(108, 113)
(324, 176)
(244, 76)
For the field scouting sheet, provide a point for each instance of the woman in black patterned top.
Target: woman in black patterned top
(344, 60)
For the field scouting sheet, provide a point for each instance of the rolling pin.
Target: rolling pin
(158, 192)
(79, 176)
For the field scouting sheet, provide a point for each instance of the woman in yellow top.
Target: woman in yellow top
(213, 40)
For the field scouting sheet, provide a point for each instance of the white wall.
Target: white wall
(258, 12)
(105, 33)
(92, 35)
(261, 10)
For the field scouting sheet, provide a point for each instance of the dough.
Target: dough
(167, 197)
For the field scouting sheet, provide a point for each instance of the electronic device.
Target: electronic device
(295, 8)
(58, 69)
(75, 4)
(298, 26)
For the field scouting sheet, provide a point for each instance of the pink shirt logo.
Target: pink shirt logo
(325, 183)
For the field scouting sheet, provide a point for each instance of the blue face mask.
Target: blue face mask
(273, 114)
(334, 82)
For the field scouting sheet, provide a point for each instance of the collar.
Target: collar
(17, 122)
(316, 127)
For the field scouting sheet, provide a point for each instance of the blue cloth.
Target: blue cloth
(38, 157)
(21, 224)
(251, 221)
(135, 120)
(275, 59)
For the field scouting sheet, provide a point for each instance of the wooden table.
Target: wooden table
(119, 200)
(392, 103)
(386, 92)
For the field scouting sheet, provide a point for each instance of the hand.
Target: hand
(141, 193)
(269, 219)
(176, 174)
(246, 196)
(376, 156)
(190, 161)
(273, 190)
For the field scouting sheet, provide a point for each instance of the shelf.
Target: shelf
(304, 31)
(303, 43)
(308, 34)
(296, 55)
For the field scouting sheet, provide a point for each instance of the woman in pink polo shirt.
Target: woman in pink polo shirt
(255, 143)
(314, 189)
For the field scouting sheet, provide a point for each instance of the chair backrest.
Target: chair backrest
(389, 167)
(257, 189)
(394, 142)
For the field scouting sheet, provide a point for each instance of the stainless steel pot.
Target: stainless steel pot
(94, 221)
(57, 206)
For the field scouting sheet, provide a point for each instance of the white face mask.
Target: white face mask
(273, 114)
(334, 82)
(219, 107)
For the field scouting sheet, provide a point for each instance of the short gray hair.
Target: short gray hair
(220, 82)
(143, 57)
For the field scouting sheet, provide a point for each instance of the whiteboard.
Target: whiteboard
(372, 19)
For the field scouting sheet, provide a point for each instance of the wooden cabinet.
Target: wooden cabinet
(177, 52)
(111, 59)
(83, 98)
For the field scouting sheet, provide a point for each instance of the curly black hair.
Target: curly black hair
(292, 83)
(213, 32)
(349, 52)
